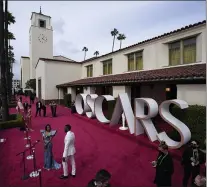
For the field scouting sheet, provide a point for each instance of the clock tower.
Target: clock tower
(40, 39)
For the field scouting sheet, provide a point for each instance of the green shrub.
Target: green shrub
(67, 100)
(15, 121)
(195, 118)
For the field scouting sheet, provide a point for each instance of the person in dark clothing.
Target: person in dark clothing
(25, 105)
(32, 97)
(54, 109)
(191, 160)
(38, 108)
(20, 98)
(44, 110)
(73, 109)
(164, 166)
(101, 180)
(51, 108)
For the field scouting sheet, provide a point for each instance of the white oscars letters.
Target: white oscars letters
(138, 123)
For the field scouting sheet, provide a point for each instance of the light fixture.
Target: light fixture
(167, 89)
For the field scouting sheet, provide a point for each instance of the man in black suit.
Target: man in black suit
(101, 180)
(38, 108)
(191, 160)
(164, 166)
(44, 109)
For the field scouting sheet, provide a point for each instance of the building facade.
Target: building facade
(170, 66)
(15, 84)
(40, 45)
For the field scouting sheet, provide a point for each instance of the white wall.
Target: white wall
(193, 94)
(41, 73)
(57, 73)
(89, 90)
(38, 49)
(121, 89)
(25, 66)
(155, 54)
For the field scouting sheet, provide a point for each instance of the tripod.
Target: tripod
(24, 177)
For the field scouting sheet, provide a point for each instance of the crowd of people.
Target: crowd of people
(192, 158)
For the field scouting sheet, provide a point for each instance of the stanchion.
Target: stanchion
(28, 142)
(35, 173)
(26, 133)
(40, 177)
(24, 177)
(30, 157)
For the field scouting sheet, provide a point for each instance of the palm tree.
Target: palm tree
(85, 49)
(5, 110)
(114, 33)
(120, 38)
(96, 53)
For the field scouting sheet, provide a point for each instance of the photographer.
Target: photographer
(191, 160)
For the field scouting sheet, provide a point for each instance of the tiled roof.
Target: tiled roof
(56, 60)
(152, 39)
(197, 71)
(24, 57)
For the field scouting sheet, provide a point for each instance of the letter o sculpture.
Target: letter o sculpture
(78, 104)
(98, 107)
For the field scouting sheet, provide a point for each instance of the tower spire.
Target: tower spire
(40, 10)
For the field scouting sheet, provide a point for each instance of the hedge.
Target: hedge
(195, 118)
(15, 121)
(67, 100)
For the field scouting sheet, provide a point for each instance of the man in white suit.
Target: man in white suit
(69, 152)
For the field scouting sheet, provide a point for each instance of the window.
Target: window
(107, 67)
(189, 51)
(174, 53)
(42, 23)
(89, 70)
(182, 52)
(135, 61)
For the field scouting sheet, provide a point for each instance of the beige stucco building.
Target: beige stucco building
(169, 66)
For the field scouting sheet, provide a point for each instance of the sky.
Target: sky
(89, 23)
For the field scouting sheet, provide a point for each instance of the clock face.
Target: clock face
(42, 38)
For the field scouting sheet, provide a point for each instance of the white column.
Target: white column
(121, 89)
(89, 90)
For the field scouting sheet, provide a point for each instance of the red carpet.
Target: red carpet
(128, 161)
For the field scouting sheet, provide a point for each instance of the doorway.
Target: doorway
(171, 91)
(135, 93)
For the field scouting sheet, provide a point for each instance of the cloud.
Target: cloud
(65, 48)
(80, 23)
(58, 26)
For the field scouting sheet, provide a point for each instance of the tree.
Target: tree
(5, 109)
(31, 84)
(85, 49)
(114, 33)
(120, 38)
(96, 53)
